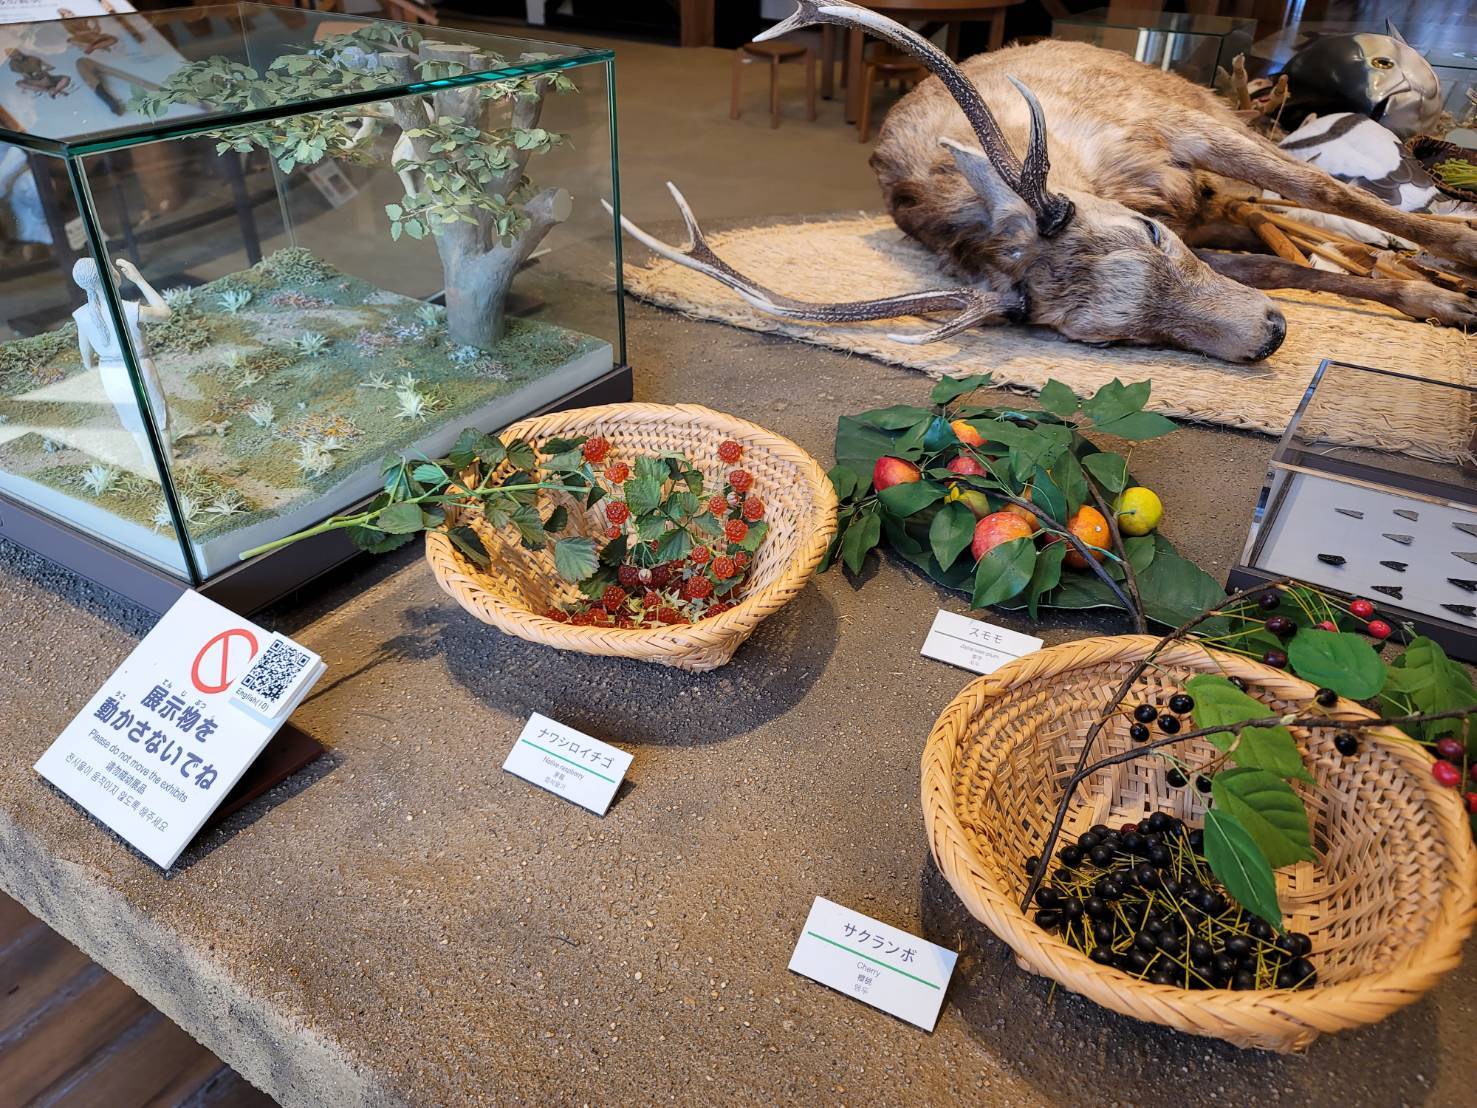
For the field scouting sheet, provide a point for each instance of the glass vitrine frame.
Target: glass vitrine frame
(252, 584)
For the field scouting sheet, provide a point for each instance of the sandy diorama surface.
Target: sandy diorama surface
(287, 384)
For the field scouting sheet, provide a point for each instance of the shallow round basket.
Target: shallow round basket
(1388, 902)
(521, 584)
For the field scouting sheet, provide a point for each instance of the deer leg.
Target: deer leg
(1417, 299)
(973, 306)
(1243, 156)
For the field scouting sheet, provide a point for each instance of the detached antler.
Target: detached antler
(973, 306)
(1029, 180)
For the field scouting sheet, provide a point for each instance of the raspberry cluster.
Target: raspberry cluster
(638, 592)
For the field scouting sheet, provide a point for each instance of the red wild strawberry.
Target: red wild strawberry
(628, 576)
(741, 559)
(717, 505)
(700, 555)
(730, 451)
(595, 448)
(1379, 629)
(556, 615)
(1362, 608)
(741, 479)
(669, 615)
(735, 529)
(660, 575)
(697, 588)
(719, 608)
(753, 509)
(581, 619)
(724, 568)
(617, 472)
(651, 600)
(612, 532)
(617, 512)
(613, 597)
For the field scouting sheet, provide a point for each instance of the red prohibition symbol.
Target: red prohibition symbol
(211, 672)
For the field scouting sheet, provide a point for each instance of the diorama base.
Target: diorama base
(1459, 642)
(249, 586)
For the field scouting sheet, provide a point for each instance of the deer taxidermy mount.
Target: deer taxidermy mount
(1104, 231)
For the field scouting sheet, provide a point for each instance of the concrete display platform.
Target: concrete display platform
(406, 924)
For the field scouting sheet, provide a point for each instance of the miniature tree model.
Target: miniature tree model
(460, 155)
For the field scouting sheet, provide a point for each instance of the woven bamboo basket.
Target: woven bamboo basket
(521, 584)
(1388, 902)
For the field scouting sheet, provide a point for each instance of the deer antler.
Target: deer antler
(973, 306)
(1029, 180)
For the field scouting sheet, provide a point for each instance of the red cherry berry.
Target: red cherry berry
(700, 555)
(1450, 749)
(724, 567)
(717, 505)
(1471, 801)
(595, 448)
(741, 479)
(730, 451)
(1446, 774)
(697, 588)
(753, 509)
(617, 512)
(1379, 629)
(1328, 625)
(617, 472)
(735, 530)
(1362, 608)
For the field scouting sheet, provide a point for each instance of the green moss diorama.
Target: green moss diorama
(283, 380)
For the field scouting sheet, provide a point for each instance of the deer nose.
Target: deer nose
(1276, 332)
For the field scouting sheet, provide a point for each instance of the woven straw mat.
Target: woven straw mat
(864, 256)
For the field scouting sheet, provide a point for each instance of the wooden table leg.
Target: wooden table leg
(997, 30)
(828, 60)
(855, 40)
(774, 91)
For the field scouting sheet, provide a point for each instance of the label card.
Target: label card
(899, 973)
(974, 644)
(169, 734)
(568, 763)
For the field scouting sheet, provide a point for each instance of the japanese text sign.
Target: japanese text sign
(974, 644)
(163, 741)
(568, 763)
(899, 973)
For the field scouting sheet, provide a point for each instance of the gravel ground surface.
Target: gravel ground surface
(404, 923)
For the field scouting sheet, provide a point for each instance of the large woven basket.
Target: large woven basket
(1388, 902)
(520, 585)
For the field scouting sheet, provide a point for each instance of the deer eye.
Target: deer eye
(1153, 229)
(1382, 63)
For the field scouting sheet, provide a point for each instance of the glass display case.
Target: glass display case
(1398, 526)
(247, 252)
(1184, 43)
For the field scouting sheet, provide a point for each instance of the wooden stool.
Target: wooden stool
(776, 52)
(890, 65)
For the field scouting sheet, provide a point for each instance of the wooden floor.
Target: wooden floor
(72, 1034)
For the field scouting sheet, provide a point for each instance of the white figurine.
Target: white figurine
(97, 337)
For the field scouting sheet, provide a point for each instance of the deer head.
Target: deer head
(1089, 267)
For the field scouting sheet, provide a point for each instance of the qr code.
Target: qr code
(268, 681)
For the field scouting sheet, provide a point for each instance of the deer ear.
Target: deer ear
(1010, 216)
(1394, 32)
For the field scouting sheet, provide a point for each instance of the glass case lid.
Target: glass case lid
(1439, 463)
(79, 85)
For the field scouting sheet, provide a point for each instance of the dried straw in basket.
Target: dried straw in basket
(521, 584)
(862, 256)
(1388, 903)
